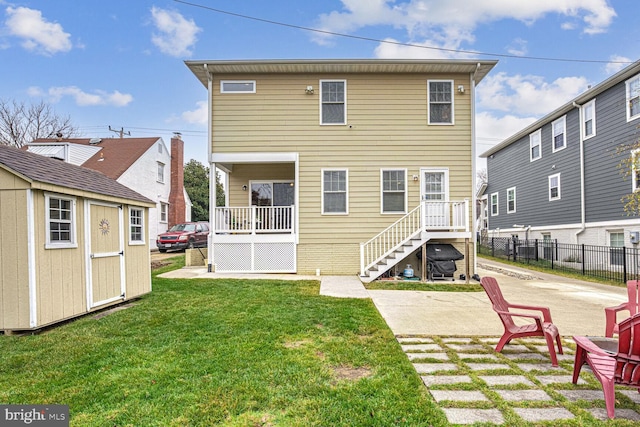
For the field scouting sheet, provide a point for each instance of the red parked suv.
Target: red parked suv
(182, 236)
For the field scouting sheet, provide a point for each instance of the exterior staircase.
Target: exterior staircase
(427, 221)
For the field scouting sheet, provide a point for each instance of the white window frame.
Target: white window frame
(551, 178)
(132, 240)
(322, 102)
(164, 212)
(160, 172)
(635, 175)
(60, 244)
(251, 89)
(346, 191)
(589, 106)
(496, 204)
(559, 127)
(632, 90)
(532, 136)
(429, 102)
(382, 191)
(511, 192)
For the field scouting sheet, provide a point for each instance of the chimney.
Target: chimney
(177, 204)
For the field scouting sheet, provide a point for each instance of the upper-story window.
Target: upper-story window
(511, 200)
(559, 134)
(633, 97)
(589, 119)
(160, 177)
(554, 187)
(333, 100)
(61, 221)
(535, 146)
(394, 194)
(440, 102)
(635, 170)
(494, 204)
(237, 86)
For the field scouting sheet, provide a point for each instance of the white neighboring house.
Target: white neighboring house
(145, 165)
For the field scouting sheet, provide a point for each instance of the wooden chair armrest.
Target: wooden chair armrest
(546, 313)
(589, 346)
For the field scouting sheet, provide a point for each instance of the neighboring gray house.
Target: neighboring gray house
(559, 178)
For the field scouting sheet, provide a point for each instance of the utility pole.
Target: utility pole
(121, 132)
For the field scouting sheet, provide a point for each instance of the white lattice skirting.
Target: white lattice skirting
(255, 257)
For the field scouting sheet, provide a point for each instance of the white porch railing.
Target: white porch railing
(254, 219)
(428, 216)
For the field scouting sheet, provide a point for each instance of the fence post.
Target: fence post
(582, 258)
(624, 264)
(493, 248)
(536, 249)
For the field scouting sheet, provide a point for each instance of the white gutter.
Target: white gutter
(583, 215)
(212, 170)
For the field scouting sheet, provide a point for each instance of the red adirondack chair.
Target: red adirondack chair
(612, 368)
(542, 327)
(632, 306)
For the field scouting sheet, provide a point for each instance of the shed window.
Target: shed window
(136, 226)
(335, 191)
(333, 102)
(60, 221)
(394, 194)
(440, 102)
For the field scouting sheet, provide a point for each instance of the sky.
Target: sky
(119, 64)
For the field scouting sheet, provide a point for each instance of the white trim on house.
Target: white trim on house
(31, 250)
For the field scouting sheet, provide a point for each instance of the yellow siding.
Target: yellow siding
(14, 267)
(137, 264)
(387, 127)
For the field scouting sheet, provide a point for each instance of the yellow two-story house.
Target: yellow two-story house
(340, 167)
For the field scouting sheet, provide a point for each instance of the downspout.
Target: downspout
(212, 171)
(583, 215)
(473, 167)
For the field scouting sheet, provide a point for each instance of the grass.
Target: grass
(414, 285)
(222, 352)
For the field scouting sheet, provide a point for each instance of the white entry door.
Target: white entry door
(106, 254)
(435, 197)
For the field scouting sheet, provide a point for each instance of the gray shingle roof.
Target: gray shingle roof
(46, 170)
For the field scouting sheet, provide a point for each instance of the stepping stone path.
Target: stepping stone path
(465, 374)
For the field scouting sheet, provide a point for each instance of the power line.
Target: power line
(371, 39)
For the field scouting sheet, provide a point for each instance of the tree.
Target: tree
(481, 178)
(21, 123)
(629, 167)
(196, 182)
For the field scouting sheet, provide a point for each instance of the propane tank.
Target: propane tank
(408, 271)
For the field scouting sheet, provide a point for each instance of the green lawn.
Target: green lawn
(222, 352)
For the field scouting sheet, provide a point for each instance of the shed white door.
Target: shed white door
(106, 254)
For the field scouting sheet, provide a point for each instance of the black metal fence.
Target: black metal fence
(602, 262)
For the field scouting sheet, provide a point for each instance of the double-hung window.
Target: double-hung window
(136, 226)
(559, 134)
(160, 177)
(635, 170)
(440, 102)
(494, 204)
(394, 194)
(335, 192)
(511, 200)
(61, 221)
(589, 119)
(535, 146)
(633, 98)
(554, 187)
(333, 100)
(164, 211)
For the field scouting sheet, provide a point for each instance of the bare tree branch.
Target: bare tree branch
(21, 123)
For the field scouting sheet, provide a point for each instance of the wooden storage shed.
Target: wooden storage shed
(72, 241)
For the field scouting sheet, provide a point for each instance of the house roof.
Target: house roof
(115, 156)
(342, 66)
(37, 168)
(583, 98)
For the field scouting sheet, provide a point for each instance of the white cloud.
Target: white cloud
(81, 98)
(455, 20)
(527, 94)
(175, 35)
(617, 63)
(518, 47)
(491, 129)
(198, 116)
(37, 34)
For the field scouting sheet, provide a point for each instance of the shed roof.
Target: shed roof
(115, 156)
(342, 66)
(37, 168)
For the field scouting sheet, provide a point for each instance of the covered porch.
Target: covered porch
(257, 229)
